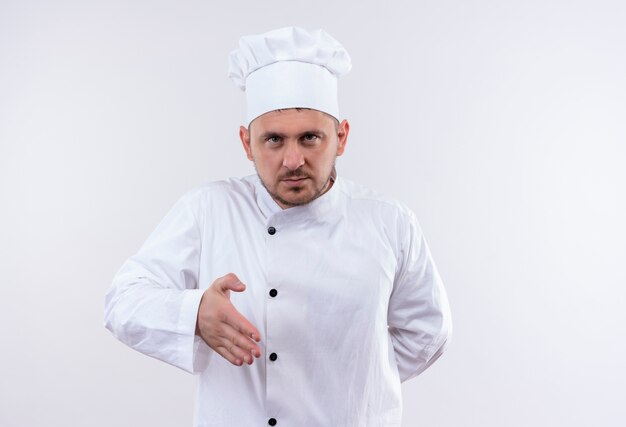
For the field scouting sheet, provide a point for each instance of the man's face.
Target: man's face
(294, 152)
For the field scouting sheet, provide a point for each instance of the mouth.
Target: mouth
(294, 180)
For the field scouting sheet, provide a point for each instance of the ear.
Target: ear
(244, 135)
(342, 136)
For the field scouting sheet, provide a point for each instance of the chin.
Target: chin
(296, 201)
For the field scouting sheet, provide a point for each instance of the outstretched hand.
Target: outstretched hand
(222, 327)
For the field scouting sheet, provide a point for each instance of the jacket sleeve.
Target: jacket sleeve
(419, 320)
(153, 302)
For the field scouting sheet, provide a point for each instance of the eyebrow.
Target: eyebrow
(269, 134)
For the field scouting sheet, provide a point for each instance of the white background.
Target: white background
(500, 123)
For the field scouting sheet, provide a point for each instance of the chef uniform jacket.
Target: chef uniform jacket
(343, 291)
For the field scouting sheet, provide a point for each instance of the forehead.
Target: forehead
(291, 120)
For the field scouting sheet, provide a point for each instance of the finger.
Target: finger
(223, 341)
(240, 341)
(237, 321)
(230, 282)
(238, 352)
(226, 354)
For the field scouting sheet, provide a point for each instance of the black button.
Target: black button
(273, 293)
(273, 356)
(272, 231)
(272, 421)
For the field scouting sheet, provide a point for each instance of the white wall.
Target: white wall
(501, 123)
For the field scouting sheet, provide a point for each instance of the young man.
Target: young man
(298, 297)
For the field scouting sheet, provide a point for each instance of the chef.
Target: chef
(297, 297)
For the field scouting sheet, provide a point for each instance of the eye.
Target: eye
(274, 139)
(310, 137)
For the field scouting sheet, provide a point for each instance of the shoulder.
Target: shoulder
(362, 198)
(230, 188)
(382, 215)
(217, 197)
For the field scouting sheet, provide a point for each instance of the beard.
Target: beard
(300, 173)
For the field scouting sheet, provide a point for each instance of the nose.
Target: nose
(293, 157)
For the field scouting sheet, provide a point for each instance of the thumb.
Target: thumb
(231, 282)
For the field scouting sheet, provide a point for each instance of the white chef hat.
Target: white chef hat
(289, 68)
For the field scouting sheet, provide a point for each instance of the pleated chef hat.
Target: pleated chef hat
(289, 68)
